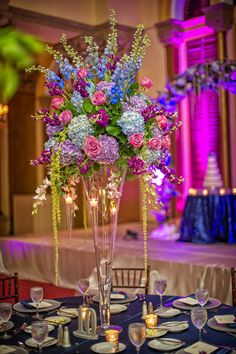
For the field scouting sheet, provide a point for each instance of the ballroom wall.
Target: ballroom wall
(47, 20)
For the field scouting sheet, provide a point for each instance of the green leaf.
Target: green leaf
(9, 80)
(122, 139)
(114, 131)
(87, 106)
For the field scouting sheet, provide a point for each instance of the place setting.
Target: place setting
(201, 298)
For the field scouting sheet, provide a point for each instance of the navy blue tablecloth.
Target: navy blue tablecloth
(133, 314)
(208, 219)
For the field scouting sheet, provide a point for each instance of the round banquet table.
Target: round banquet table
(208, 219)
(133, 314)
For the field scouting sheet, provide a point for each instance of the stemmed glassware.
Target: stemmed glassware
(199, 318)
(39, 332)
(5, 315)
(160, 287)
(202, 296)
(36, 294)
(137, 335)
(83, 286)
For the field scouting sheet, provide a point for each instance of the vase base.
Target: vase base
(101, 331)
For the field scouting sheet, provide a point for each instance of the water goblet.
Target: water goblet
(202, 296)
(39, 332)
(36, 294)
(137, 335)
(83, 286)
(199, 318)
(5, 315)
(160, 287)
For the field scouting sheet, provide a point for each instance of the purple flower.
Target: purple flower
(70, 153)
(136, 165)
(53, 129)
(54, 88)
(101, 118)
(45, 158)
(85, 167)
(150, 112)
(109, 149)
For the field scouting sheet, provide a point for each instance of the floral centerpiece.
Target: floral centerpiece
(101, 123)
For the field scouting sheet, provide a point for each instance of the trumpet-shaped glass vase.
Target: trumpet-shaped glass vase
(103, 191)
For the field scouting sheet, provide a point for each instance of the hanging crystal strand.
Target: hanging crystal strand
(69, 217)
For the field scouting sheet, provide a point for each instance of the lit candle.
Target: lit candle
(151, 320)
(205, 192)
(113, 210)
(234, 190)
(84, 310)
(93, 202)
(112, 335)
(222, 191)
(68, 200)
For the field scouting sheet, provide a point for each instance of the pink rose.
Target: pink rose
(65, 117)
(57, 102)
(166, 142)
(92, 147)
(146, 82)
(154, 144)
(162, 121)
(98, 98)
(136, 140)
(82, 73)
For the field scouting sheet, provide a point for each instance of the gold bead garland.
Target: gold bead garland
(144, 219)
(85, 215)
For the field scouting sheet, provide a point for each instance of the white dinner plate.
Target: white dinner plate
(21, 308)
(211, 304)
(220, 327)
(106, 348)
(167, 312)
(117, 308)
(57, 320)
(165, 344)
(130, 298)
(28, 329)
(176, 326)
(68, 312)
(33, 344)
(9, 325)
(15, 350)
(155, 333)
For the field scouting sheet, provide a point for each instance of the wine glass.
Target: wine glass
(161, 286)
(137, 334)
(5, 315)
(199, 318)
(202, 296)
(36, 294)
(83, 286)
(39, 332)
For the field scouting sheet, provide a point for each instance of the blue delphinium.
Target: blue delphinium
(77, 100)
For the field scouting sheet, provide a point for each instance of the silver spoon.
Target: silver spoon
(21, 328)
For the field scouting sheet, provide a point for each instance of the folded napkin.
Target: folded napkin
(118, 295)
(200, 347)
(4, 349)
(189, 301)
(225, 319)
(31, 305)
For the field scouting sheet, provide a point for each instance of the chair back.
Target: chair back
(9, 288)
(233, 282)
(130, 278)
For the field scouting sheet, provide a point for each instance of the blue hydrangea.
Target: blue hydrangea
(77, 100)
(50, 144)
(79, 128)
(131, 122)
(152, 156)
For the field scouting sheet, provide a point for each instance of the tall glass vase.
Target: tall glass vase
(103, 191)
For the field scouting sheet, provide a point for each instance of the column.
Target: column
(171, 34)
(220, 18)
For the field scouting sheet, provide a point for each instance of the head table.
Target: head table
(133, 314)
